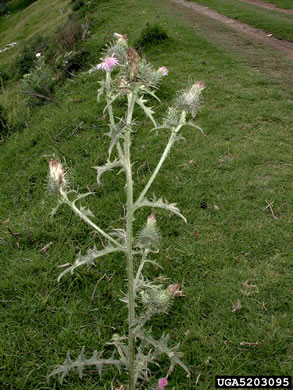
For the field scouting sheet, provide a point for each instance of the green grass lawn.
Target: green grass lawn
(270, 21)
(231, 250)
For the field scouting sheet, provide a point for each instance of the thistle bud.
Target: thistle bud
(174, 290)
(56, 175)
(158, 300)
(152, 220)
(149, 236)
(189, 100)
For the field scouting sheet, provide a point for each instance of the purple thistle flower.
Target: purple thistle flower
(163, 70)
(163, 382)
(108, 64)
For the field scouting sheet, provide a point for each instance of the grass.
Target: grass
(219, 256)
(287, 4)
(270, 21)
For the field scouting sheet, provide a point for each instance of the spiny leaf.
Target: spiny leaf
(148, 111)
(55, 209)
(160, 203)
(161, 347)
(89, 258)
(81, 362)
(107, 167)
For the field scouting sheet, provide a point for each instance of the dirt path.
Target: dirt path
(263, 4)
(251, 32)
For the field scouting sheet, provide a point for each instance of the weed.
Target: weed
(69, 34)
(25, 60)
(37, 86)
(77, 4)
(151, 35)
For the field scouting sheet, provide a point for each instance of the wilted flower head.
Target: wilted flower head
(174, 290)
(163, 382)
(108, 64)
(56, 175)
(163, 70)
(189, 100)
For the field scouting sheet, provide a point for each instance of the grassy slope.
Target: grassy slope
(270, 21)
(244, 161)
(40, 17)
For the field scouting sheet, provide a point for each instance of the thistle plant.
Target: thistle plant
(129, 77)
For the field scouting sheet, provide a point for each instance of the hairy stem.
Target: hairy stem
(129, 232)
(160, 163)
(110, 108)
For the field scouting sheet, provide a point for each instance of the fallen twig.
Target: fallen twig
(270, 206)
(14, 235)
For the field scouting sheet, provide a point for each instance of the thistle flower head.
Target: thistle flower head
(163, 70)
(189, 100)
(174, 290)
(108, 64)
(163, 382)
(56, 175)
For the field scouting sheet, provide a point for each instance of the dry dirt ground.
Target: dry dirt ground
(259, 51)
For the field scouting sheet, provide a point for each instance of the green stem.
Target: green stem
(129, 232)
(110, 109)
(160, 163)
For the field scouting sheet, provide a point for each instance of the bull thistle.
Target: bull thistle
(129, 77)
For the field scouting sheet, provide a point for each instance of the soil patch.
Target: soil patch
(251, 32)
(263, 4)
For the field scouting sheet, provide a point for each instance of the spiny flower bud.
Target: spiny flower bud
(149, 237)
(158, 300)
(189, 100)
(174, 290)
(56, 175)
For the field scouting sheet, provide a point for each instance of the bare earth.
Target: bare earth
(263, 4)
(251, 32)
